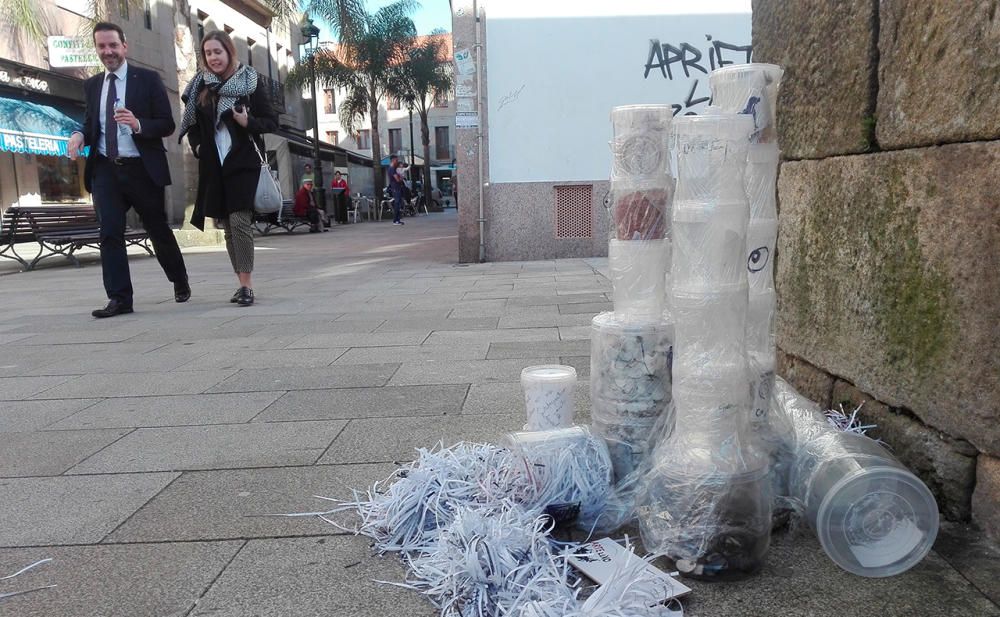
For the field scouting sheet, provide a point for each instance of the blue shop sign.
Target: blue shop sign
(33, 128)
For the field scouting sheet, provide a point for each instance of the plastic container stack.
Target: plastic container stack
(631, 347)
(873, 517)
(707, 504)
(752, 89)
(641, 188)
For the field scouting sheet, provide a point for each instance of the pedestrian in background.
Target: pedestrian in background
(226, 112)
(396, 188)
(128, 115)
(305, 205)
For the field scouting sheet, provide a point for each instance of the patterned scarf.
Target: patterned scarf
(242, 83)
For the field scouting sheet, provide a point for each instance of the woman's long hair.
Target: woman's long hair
(207, 96)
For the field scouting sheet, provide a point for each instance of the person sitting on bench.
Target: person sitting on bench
(305, 205)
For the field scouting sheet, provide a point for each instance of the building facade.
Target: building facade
(41, 100)
(399, 131)
(535, 85)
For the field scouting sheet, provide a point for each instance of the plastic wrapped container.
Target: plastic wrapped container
(629, 385)
(711, 158)
(568, 470)
(549, 396)
(750, 89)
(873, 517)
(639, 143)
(637, 277)
(710, 525)
(709, 244)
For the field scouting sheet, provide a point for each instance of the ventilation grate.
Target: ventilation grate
(574, 211)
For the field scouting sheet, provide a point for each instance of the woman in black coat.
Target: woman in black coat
(227, 109)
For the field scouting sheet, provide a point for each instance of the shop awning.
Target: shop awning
(417, 160)
(33, 128)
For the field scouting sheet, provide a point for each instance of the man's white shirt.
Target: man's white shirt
(126, 145)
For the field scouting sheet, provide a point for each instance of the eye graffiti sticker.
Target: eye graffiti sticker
(758, 259)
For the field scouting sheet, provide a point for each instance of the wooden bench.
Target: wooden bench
(61, 230)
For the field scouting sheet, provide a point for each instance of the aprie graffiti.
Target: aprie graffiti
(685, 61)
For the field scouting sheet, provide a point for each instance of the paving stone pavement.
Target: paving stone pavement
(139, 453)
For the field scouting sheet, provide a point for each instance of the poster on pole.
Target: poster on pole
(466, 120)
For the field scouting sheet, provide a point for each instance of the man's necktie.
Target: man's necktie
(110, 126)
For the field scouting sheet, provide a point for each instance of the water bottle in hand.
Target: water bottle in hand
(123, 129)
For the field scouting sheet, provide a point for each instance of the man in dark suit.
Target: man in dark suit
(128, 115)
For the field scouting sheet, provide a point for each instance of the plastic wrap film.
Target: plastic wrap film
(706, 501)
(872, 516)
(629, 386)
(568, 473)
(752, 90)
(639, 142)
(637, 269)
(549, 396)
(639, 199)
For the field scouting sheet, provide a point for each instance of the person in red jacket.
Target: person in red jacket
(305, 205)
(340, 183)
(340, 198)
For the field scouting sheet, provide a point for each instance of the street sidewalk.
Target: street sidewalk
(140, 452)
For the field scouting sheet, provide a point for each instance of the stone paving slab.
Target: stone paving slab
(396, 439)
(377, 339)
(412, 353)
(242, 498)
(798, 580)
(464, 371)
(161, 580)
(138, 384)
(124, 332)
(508, 399)
(17, 388)
(116, 363)
(553, 298)
(310, 577)
(71, 510)
(575, 333)
(306, 378)
(500, 351)
(404, 324)
(345, 403)
(214, 447)
(459, 338)
(264, 359)
(590, 308)
(181, 410)
(23, 416)
(50, 453)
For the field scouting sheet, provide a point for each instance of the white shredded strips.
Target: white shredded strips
(469, 523)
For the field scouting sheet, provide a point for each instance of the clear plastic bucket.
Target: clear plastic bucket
(549, 396)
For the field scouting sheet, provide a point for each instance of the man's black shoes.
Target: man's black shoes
(113, 308)
(182, 291)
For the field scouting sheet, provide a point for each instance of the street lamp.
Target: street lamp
(310, 32)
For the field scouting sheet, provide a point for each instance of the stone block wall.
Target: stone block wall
(888, 259)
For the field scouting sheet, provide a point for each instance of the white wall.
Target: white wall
(555, 70)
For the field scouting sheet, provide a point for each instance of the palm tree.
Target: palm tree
(423, 76)
(370, 46)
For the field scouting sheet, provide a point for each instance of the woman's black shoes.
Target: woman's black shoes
(236, 296)
(244, 296)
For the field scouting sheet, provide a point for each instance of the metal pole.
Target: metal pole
(318, 187)
(412, 151)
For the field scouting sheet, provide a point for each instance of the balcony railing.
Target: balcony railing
(277, 90)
